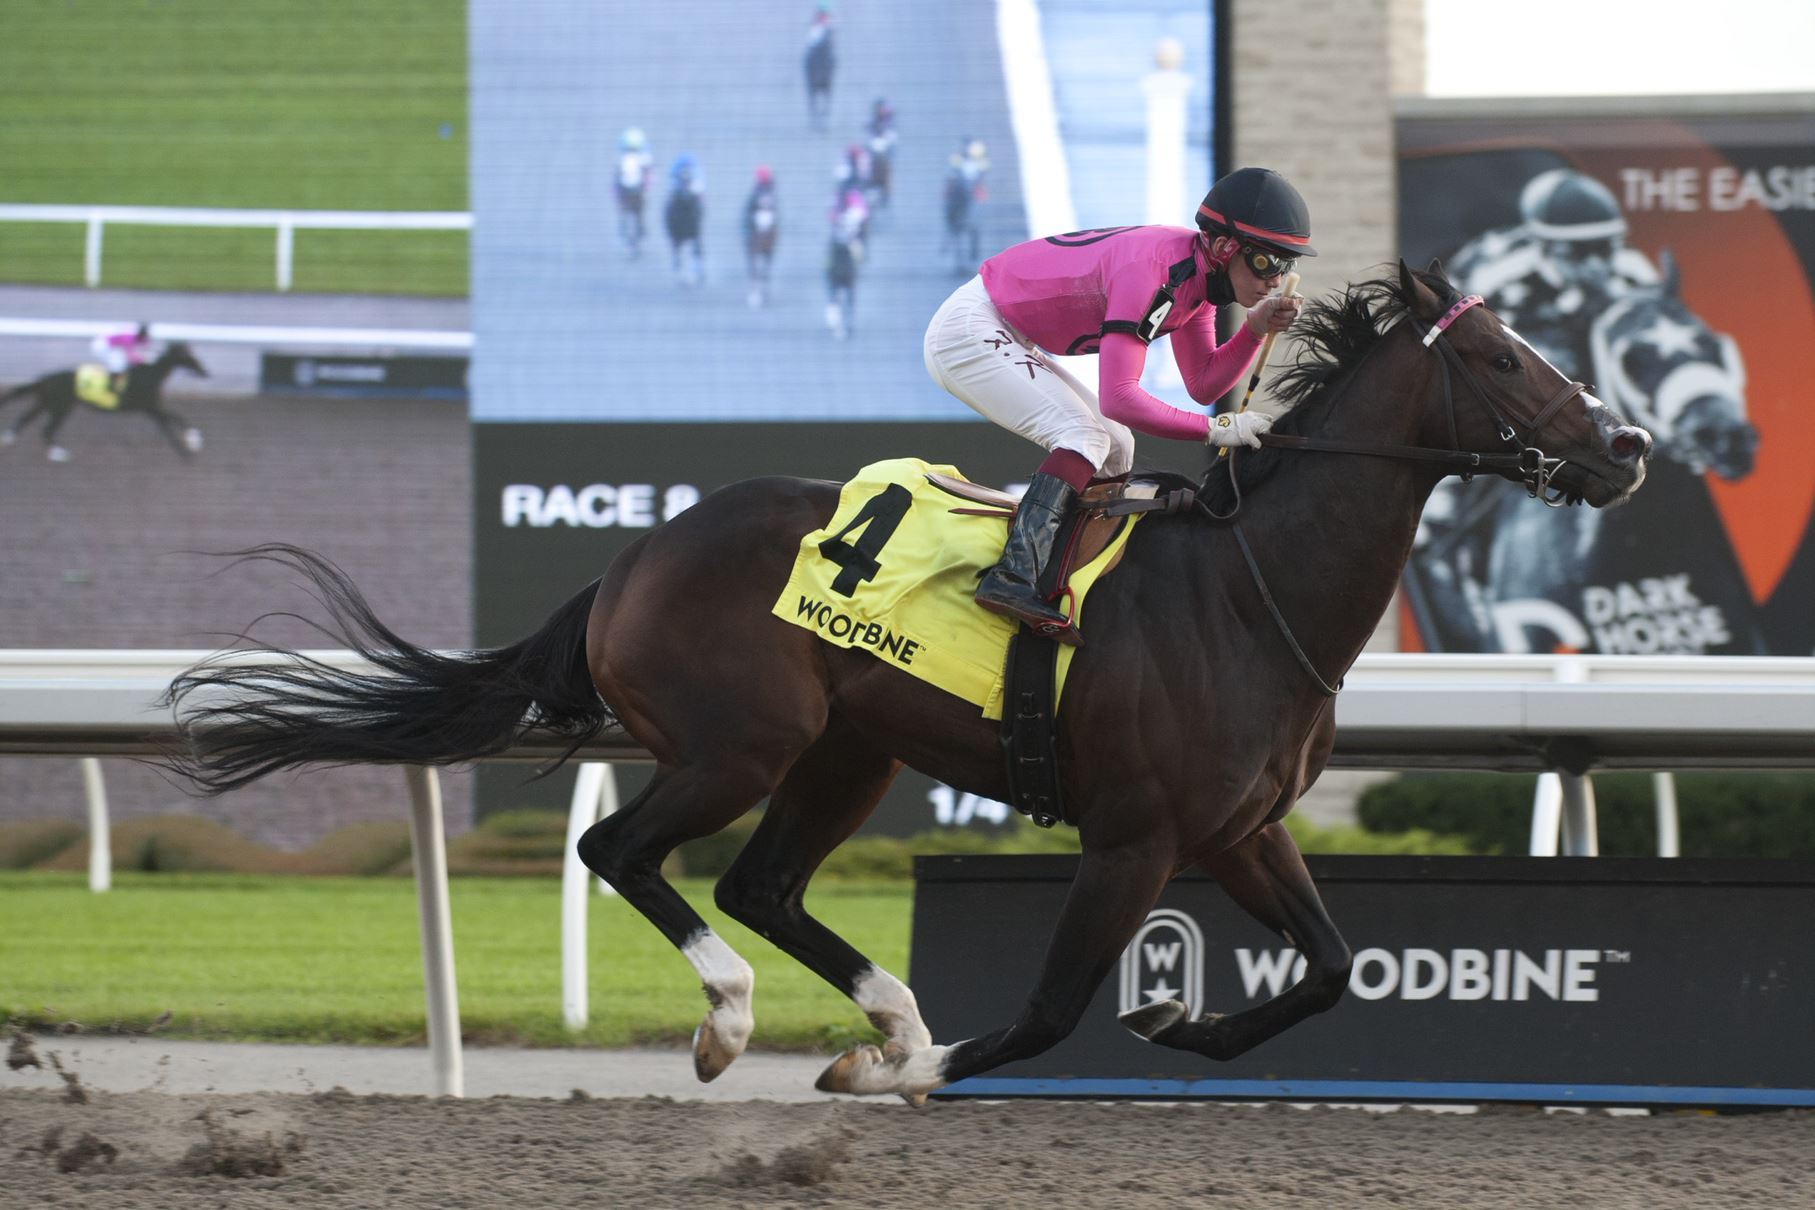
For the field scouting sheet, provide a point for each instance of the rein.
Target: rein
(1530, 464)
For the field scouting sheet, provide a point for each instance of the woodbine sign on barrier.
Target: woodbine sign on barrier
(1564, 716)
(1616, 981)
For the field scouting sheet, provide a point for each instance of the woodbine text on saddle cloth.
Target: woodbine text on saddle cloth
(893, 574)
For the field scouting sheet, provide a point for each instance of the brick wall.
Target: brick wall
(1313, 98)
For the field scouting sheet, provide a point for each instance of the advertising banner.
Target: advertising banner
(376, 376)
(1554, 980)
(1665, 260)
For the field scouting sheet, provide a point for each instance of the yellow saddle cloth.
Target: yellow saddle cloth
(894, 573)
(95, 385)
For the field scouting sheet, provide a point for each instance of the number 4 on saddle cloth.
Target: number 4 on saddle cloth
(894, 571)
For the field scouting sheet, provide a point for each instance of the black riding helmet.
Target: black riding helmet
(1258, 206)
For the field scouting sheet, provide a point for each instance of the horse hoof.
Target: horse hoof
(916, 1099)
(57, 453)
(841, 1076)
(8, 437)
(711, 1054)
(192, 440)
(1152, 1020)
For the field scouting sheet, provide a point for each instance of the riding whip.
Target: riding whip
(1266, 347)
(1266, 350)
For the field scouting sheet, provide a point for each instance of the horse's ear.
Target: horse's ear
(1435, 269)
(1671, 272)
(1423, 300)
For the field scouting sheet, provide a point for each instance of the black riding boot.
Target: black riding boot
(1011, 587)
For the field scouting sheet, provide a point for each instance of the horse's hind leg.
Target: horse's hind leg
(627, 848)
(826, 796)
(1109, 898)
(1266, 876)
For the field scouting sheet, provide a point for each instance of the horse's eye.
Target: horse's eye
(1505, 362)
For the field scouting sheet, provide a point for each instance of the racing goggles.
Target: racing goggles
(1266, 264)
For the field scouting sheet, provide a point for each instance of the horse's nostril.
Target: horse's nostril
(1629, 444)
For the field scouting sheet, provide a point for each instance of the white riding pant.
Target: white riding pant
(975, 354)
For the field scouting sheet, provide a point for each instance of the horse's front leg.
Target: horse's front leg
(183, 437)
(1266, 876)
(1110, 897)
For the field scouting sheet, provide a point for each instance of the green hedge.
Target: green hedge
(1718, 814)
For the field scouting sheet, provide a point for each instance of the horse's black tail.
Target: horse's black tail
(24, 388)
(239, 721)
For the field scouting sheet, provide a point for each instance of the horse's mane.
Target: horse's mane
(1337, 332)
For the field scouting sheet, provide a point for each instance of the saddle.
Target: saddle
(1093, 524)
(1030, 690)
(95, 385)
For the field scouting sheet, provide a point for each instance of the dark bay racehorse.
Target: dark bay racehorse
(1193, 719)
(54, 397)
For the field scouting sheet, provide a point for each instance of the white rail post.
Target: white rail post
(91, 258)
(1581, 829)
(428, 848)
(286, 250)
(1581, 832)
(100, 832)
(1546, 815)
(1663, 788)
(595, 795)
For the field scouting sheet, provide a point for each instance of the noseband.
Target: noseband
(1530, 465)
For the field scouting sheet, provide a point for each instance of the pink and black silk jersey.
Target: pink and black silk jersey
(1065, 292)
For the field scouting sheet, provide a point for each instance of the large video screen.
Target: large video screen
(724, 211)
(708, 239)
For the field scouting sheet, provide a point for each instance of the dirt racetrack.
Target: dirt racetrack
(152, 1149)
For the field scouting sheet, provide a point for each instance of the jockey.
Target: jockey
(630, 180)
(120, 351)
(1111, 291)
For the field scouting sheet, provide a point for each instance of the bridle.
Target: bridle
(1531, 465)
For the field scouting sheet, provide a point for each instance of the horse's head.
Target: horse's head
(178, 355)
(1657, 361)
(1504, 398)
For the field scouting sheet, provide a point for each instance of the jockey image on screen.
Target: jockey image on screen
(1552, 274)
(762, 227)
(631, 185)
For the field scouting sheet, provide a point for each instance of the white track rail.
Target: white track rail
(285, 223)
(1559, 715)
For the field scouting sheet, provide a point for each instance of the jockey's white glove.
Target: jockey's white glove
(1238, 428)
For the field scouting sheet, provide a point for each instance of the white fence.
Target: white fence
(443, 339)
(285, 223)
(1563, 716)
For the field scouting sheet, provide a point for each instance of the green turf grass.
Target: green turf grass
(339, 960)
(305, 104)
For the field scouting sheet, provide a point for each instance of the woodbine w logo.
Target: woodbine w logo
(1165, 961)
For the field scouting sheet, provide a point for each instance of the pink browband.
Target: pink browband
(1449, 317)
